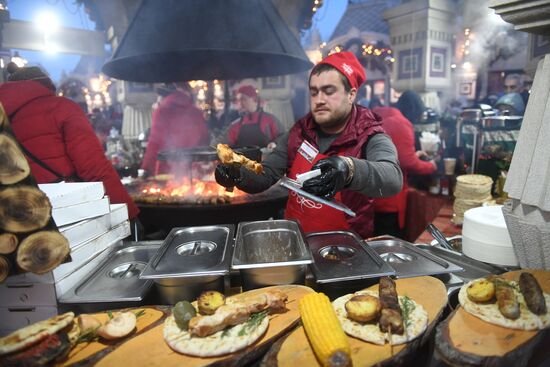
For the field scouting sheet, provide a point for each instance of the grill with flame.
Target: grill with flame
(193, 191)
(190, 196)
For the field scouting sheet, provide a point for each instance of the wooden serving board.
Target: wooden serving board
(146, 347)
(463, 339)
(430, 292)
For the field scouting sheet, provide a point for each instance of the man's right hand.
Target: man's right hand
(228, 175)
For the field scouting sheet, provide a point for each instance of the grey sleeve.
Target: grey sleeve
(379, 174)
(275, 166)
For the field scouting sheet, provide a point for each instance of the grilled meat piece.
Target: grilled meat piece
(534, 298)
(40, 354)
(391, 319)
(506, 299)
(236, 313)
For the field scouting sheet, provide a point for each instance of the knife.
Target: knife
(296, 187)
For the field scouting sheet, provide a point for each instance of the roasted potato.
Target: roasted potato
(482, 290)
(209, 301)
(363, 308)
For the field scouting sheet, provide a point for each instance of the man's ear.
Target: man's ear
(352, 95)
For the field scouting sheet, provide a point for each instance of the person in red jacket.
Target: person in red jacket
(255, 127)
(59, 140)
(177, 124)
(389, 217)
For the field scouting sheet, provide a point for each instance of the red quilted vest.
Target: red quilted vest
(362, 124)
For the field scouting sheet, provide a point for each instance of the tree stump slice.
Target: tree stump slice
(42, 251)
(8, 243)
(148, 348)
(24, 209)
(430, 292)
(13, 164)
(465, 340)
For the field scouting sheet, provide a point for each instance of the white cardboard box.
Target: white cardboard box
(83, 252)
(75, 213)
(70, 193)
(88, 229)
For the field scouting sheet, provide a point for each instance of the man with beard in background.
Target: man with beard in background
(358, 161)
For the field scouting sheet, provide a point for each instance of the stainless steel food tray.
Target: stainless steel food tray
(473, 269)
(409, 261)
(116, 279)
(269, 243)
(192, 252)
(342, 256)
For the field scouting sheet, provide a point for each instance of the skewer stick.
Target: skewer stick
(391, 343)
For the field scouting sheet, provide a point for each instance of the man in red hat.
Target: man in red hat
(254, 127)
(358, 161)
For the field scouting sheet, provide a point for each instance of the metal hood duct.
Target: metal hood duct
(175, 40)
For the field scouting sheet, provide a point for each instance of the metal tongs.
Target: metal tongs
(440, 237)
(296, 186)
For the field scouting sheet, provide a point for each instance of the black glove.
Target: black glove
(334, 172)
(228, 175)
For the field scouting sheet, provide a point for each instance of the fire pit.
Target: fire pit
(190, 196)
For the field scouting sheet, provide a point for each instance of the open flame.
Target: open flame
(194, 188)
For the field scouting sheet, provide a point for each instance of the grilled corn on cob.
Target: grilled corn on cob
(325, 334)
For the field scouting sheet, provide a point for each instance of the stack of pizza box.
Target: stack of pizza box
(91, 224)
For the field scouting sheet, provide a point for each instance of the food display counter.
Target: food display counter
(259, 322)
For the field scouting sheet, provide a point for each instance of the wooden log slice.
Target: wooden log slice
(430, 292)
(24, 209)
(5, 268)
(3, 118)
(13, 164)
(148, 348)
(465, 340)
(8, 243)
(42, 251)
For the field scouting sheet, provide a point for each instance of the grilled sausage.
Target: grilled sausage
(534, 298)
(390, 315)
(506, 299)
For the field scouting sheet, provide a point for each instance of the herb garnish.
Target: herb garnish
(110, 314)
(139, 313)
(225, 333)
(253, 322)
(87, 337)
(407, 307)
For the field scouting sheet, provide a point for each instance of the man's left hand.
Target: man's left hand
(334, 172)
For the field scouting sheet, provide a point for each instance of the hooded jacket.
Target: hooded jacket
(401, 131)
(177, 124)
(56, 131)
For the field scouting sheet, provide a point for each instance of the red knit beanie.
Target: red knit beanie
(347, 64)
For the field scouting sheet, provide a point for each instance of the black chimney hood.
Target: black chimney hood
(178, 40)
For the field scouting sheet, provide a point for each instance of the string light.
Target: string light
(366, 50)
(465, 48)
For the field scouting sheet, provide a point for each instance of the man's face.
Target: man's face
(511, 86)
(247, 104)
(330, 103)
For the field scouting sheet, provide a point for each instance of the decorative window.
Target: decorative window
(410, 63)
(438, 64)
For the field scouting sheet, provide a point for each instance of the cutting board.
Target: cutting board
(464, 339)
(146, 347)
(428, 291)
